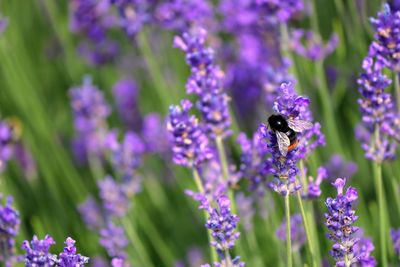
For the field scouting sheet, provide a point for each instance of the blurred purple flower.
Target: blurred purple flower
(339, 220)
(119, 262)
(26, 161)
(91, 214)
(190, 145)
(297, 232)
(206, 81)
(98, 53)
(181, 15)
(113, 239)
(3, 24)
(378, 116)
(155, 135)
(309, 45)
(9, 227)
(362, 251)
(90, 112)
(69, 258)
(314, 190)
(194, 258)
(246, 210)
(114, 198)
(126, 98)
(37, 252)
(338, 167)
(7, 144)
(395, 235)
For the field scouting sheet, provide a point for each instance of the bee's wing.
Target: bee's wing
(299, 125)
(283, 142)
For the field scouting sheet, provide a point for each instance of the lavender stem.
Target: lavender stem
(228, 259)
(288, 237)
(200, 187)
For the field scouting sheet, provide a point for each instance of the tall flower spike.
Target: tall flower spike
(113, 239)
(9, 226)
(190, 145)
(90, 112)
(339, 220)
(297, 232)
(37, 252)
(378, 116)
(206, 81)
(69, 258)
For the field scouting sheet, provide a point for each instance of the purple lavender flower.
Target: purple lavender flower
(113, 195)
(25, 160)
(154, 134)
(362, 251)
(7, 144)
(90, 113)
(113, 239)
(223, 224)
(126, 94)
(37, 252)
(298, 234)
(206, 81)
(69, 258)
(91, 213)
(339, 220)
(378, 115)
(312, 47)
(245, 210)
(338, 167)
(254, 161)
(314, 190)
(224, 263)
(9, 226)
(190, 145)
(3, 24)
(119, 262)
(98, 53)
(194, 258)
(133, 15)
(387, 36)
(181, 15)
(395, 234)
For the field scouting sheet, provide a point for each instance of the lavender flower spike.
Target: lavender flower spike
(9, 226)
(69, 258)
(362, 250)
(37, 252)
(298, 234)
(339, 220)
(395, 234)
(190, 145)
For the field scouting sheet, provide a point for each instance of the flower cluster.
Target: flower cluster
(90, 112)
(312, 47)
(9, 226)
(7, 144)
(113, 239)
(338, 167)
(395, 234)
(362, 251)
(314, 190)
(37, 253)
(206, 81)
(387, 36)
(339, 220)
(190, 144)
(378, 116)
(297, 232)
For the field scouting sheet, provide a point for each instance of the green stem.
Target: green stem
(228, 259)
(346, 260)
(136, 242)
(310, 240)
(200, 187)
(377, 168)
(288, 234)
(397, 88)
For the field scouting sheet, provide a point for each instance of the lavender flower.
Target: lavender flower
(113, 239)
(119, 262)
(387, 36)
(297, 232)
(181, 15)
(9, 226)
(362, 251)
(313, 48)
(339, 220)
(114, 197)
(245, 210)
(395, 234)
(194, 258)
(314, 190)
(3, 24)
(91, 214)
(154, 134)
(90, 113)
(338, 167)
(190, 145)
(378, 116)
(206, 81)
(37, 252)
(69, 258)
(25, 160)
(7, 144)
(234, 263)
(126, 94)
(223, 224)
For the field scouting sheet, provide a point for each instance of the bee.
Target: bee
(286, 130)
